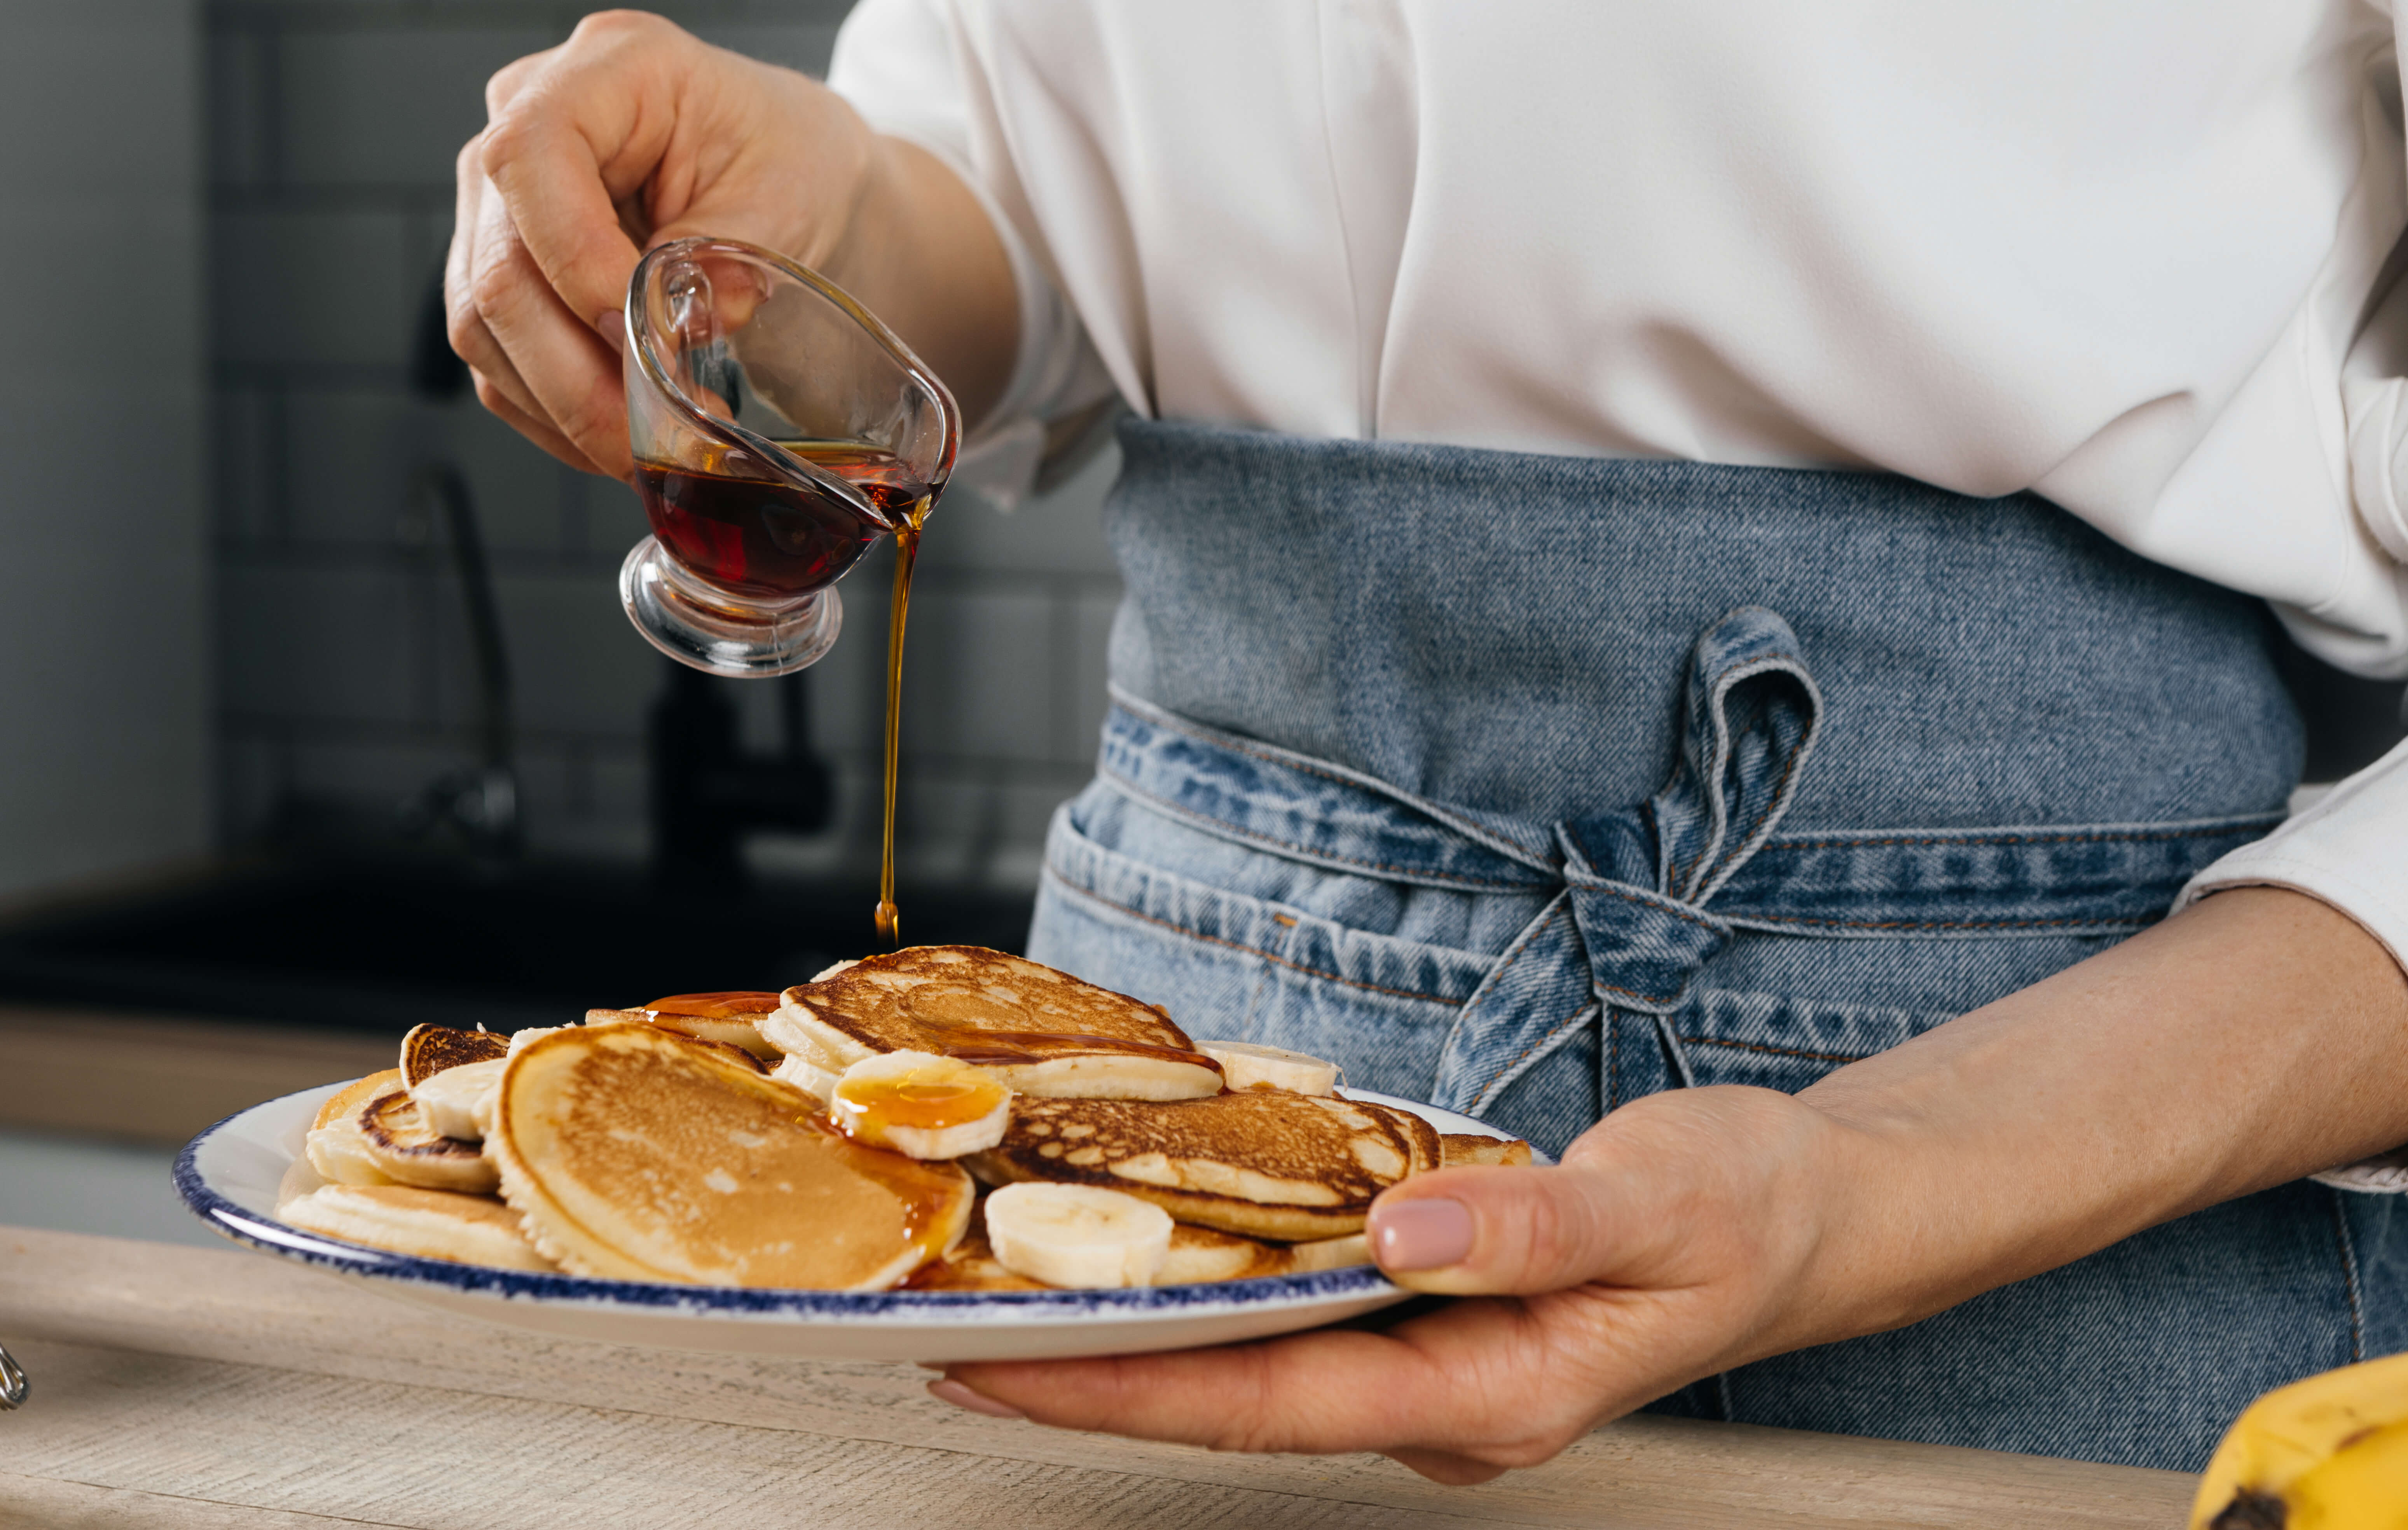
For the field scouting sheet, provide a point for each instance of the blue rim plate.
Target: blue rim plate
(234, 1175)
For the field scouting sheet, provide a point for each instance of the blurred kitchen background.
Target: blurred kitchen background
(322, 714)
(318, 712)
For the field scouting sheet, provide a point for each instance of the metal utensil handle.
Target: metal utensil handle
(13, 1385)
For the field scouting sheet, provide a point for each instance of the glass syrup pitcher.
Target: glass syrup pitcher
(778, 431)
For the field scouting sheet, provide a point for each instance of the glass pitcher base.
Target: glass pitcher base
(720, 633)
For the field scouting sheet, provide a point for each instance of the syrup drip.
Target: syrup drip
(907, 554)
(926, 1191)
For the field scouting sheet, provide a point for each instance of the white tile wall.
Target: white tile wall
(345, 668)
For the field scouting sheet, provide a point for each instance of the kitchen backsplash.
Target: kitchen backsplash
(346, 676)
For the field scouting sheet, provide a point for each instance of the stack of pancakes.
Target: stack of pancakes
(690, 1140)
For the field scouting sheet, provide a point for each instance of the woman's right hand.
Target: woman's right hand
(633, 133)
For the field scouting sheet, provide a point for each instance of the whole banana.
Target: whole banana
(2327, 1453)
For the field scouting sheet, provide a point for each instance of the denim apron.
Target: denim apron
(1531, 785)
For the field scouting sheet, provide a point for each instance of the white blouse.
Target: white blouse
(2134, 255)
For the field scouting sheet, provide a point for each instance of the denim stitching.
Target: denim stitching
(1719, 697)
(2349, 1275)
(1238, 746)
(1513, 953)
(1067, 886)
(1554, 1031)
(2132, 836)
(1122, 782)
(1778, 1052)
(1948, 923)
(1646, 898)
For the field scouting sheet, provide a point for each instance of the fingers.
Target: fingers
(1490, 1384)
(532, 429)
(1499, 1231)
(571, 135)
(520, 335)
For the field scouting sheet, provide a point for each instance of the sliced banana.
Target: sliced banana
(340, 1154)
(521, 1041)
(1247, 1065)
(1076, 1236)
(805, 1073)
(454, 1101)
(919, 1104)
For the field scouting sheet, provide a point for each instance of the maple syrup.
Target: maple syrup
(735, 521)
(907, 554)
(732, 1005)
(914, 1094)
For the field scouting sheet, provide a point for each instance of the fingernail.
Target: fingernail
(950, 1391)
(1424, 1233)
(612, 327)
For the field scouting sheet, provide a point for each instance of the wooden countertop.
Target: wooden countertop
(184, 1388)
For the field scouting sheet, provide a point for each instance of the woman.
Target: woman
(1703, 565)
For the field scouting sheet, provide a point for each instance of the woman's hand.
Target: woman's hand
(1664, 1249)
(634, 133)
(2253, 1039)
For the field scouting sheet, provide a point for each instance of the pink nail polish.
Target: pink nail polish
(1424, 1233)
(948, 1390)
(613, 329)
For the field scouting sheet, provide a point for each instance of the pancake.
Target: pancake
(336, 1146)
(1263, 1164)
(1199, 1256)
(1039, 1031)
(1462, 1150)
(429, 1049)
(398, 1141)
(732, 1019)
(638, 1153)
(428, 1224)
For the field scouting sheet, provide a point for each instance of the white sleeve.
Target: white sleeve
(907, 67)
(2351, 851)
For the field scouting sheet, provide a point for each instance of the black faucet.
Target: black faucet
(707, 792)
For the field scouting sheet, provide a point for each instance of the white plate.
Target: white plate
(234, 1175)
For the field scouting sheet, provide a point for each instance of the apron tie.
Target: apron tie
(1619, 946)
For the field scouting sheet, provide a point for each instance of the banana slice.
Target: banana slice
(804, 1072)
(921, 1105)
(1246, 1065)
(521, 1041)
(335, 1147)
(1076, 1236)
(454, 1101)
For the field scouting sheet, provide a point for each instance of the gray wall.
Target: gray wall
(104, 685)
(331, 127)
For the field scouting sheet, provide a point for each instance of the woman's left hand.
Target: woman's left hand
(1654, 1255)
(2249, 1039)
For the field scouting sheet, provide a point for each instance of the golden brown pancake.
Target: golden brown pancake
(637, 1152)
(1199, 1255)
(345, 1103)
(1266, 1165)
(428, 1224)
(400, 1143)
(429, 1049)
(1462, 1149)
(1042, 1031)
